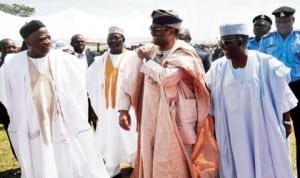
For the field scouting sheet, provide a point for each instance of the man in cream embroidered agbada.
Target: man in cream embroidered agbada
(45, 96)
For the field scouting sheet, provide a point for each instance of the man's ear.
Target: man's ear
(27, 42)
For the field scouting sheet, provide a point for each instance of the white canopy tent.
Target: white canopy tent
(10, 26)
(63, 25)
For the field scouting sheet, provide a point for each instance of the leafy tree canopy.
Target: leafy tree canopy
(17, 9)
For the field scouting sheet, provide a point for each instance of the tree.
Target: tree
(17, 9)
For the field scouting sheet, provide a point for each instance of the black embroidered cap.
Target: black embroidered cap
(30, 27)
(166, 18)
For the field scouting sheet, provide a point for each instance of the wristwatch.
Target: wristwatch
(288, 122)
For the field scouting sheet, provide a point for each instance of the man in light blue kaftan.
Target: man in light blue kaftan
(251, 100)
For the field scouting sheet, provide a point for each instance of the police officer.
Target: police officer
(261, 26)
(284, 44)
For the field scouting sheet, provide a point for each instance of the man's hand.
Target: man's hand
(288, 129)
(145, 52)
(287, 122)
(124, 120)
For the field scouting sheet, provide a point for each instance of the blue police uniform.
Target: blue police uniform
(286, 50)
(252, 43)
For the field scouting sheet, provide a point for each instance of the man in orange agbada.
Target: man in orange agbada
(165, 83)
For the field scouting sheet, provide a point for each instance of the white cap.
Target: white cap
(115, 29)
(233, 29)
(60, 44)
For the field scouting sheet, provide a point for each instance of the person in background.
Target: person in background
(79, 46)
(7, 46)
(250, 101)
(218, 52)
(166, 86)
(261, 26)
(85, 59)
(284, 44)
(116, 145)
(61, 45)
(45, 96)
(184, 34)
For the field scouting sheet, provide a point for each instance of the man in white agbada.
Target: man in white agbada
(251, 100)
(103, 81)
(45, 96)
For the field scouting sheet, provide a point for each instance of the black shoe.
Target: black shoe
(126, 172)
(118, 176)
(18, 172)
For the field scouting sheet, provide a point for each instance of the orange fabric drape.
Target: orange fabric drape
(111, 78)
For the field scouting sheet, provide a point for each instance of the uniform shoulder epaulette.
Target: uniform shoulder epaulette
(268, 34)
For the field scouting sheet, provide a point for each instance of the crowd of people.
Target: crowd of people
(166, 109)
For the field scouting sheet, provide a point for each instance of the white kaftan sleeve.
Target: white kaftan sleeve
(124, 101)
(208, 79)
(289, 99)
(4, 89)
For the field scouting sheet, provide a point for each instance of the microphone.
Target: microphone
(160, 54)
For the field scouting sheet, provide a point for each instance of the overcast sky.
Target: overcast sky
(201, 17)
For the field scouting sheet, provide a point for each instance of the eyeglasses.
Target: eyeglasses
(158, 30)
(227, 42)
(114, 36)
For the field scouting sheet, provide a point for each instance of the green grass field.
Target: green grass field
(7, 159)
(293, 151)
(8, 162)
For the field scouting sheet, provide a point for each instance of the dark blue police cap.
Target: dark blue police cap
(283, 11)
(263, 17)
